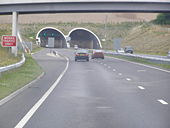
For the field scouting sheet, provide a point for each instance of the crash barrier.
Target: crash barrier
(13, 66)
(149, 58)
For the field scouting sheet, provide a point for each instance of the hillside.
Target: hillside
(149, 38)
(81, 18)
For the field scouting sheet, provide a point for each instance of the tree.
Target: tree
(162, 19)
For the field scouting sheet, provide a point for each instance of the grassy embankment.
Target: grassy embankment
(12, 80)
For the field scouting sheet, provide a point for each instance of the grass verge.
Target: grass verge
(142, 61)
(11, 81)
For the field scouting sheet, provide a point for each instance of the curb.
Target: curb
(14, 94)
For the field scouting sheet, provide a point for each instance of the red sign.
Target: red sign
(8, 41)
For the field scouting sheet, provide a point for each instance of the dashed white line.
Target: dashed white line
(141, 87)
(105, 64)
(162, 102)
(114, 70)
(101, 63)
(128, 79)
(109, 67)
(120, 74)
(141, 70)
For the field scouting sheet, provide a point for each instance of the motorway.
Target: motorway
(108, 93)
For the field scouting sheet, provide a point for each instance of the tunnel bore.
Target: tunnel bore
(84, 39)
(51, 37)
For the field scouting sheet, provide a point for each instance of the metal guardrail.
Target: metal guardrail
(13, 66)
(153, 59)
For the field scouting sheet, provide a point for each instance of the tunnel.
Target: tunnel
(51, 37)
(84, 38)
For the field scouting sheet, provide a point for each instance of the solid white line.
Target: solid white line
(128, 79)
(163, 70)
(141, 87)
(31, 112)
(162, 101)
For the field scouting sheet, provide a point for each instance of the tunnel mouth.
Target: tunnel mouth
(51, 37)
(84, 38)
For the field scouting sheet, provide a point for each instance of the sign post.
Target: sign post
(8, 41)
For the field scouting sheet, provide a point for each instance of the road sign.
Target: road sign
(8, 41)
(117, 43)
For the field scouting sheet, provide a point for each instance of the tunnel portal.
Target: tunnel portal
(51, 37)
(84, 39)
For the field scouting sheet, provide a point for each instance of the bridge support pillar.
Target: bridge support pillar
(14, 31)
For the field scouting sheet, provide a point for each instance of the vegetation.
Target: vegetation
(14, 79)
(162, 19)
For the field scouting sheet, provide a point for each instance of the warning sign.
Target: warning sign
(8, 41)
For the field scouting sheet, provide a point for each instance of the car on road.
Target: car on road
(128, 49)
(82, 54)
(121, 50)
(97, 54)
(75, 47)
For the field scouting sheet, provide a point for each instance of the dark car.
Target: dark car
(128, 49)
(82, 55)
(97, 54)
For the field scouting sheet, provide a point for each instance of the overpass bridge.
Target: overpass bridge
(16, 7)
(63, 6)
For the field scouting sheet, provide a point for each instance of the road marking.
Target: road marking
(114, 70)
(31, 112)
(120, 74)
(101, 63)
(162, 101)
(141, 70)
(105, 64)
(103, 107)
(128, 79)
(109, 67)
(141, 87)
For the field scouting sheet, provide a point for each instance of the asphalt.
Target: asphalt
(96, 94)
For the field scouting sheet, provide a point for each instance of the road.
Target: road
(108, 93)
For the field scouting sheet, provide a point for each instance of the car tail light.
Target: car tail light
(77, 54)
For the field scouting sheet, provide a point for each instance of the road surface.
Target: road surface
(107, 93)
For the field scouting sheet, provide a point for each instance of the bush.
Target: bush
(162, 19)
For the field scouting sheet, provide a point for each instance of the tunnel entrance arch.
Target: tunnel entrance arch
(84, 38)
(51, 37)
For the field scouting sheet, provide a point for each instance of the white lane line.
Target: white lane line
(31, 112)
(103, 107)
(109, 67)
(101, 63)
(114, 70)
(141, 87)
(128, 79)
(141, 70)
(120, 74)
(105, 64)
(162, 101)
